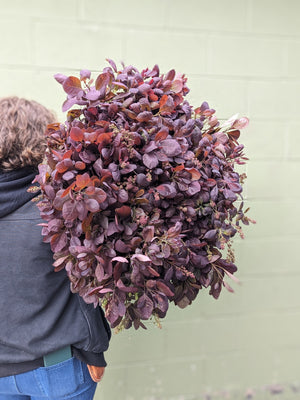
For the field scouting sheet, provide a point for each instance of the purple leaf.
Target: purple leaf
(112, 228)
(164, 288)
(122, 247)
(235, 187)
(161, 302)
(127, 289)
(120, 259)
(85, 74)
(69, 210)
(211, 234)
(68, 175)
(144, 116)
(170, 75)
(169, 274)
(58, 242)
(141, 257)
(112, 313)
(69, 103)
(49, 191)
(122, 196)
(229, 195)
(99, 272)
(60, 78)
(167, 190)
(112, 63)
(148, 233)
(145, 306)
(93, 94)
(214, 193)
(82, 211)
(150, 147)
(141, 180)
(92, 205)
(144, 88)
(170, 147)
(150, 160)
(194, 188)
(105, 290)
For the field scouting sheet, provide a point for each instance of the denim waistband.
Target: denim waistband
(50, 359)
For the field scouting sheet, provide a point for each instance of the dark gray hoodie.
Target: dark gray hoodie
(39, 314)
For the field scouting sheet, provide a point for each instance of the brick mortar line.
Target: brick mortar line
(226, 318)
(269, 159)
(165, 28)
(80, 21)
(202, 358)
(241, 78)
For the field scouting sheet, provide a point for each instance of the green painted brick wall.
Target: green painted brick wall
(241, 56)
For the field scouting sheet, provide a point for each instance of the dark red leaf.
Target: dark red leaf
(76, 134)
(167, 105)
(162, 135)
(196, 175)
(144, 116)
(124, 211)
(67, 191)
(163, 100)
(72, 86)
(82, 181)
(235, 134)
(164, 288)
(170, 75)
(80, 165)
(61, 167)
(102, 81)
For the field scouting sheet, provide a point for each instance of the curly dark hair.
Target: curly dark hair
(22, 126)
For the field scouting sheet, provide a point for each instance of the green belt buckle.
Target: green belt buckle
(57, 356)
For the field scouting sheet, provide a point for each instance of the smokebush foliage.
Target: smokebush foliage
(140, 194)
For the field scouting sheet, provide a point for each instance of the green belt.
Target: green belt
(57, 356)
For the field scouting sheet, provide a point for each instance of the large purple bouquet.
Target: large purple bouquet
(140, 194)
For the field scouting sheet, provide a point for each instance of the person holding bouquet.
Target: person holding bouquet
(51, 341)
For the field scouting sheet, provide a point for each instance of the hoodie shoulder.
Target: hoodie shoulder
(27, 211)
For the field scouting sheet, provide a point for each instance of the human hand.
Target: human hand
(96, 372)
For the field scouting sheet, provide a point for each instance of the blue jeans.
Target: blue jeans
(69, 379)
